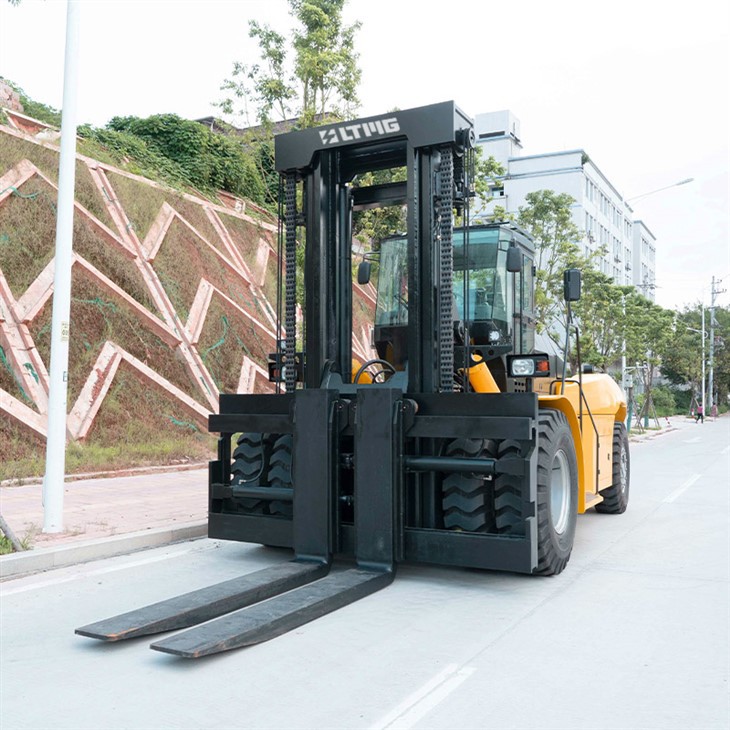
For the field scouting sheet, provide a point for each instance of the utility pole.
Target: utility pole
(704, 334)
(710, 387)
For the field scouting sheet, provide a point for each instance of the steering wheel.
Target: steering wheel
(385, 367)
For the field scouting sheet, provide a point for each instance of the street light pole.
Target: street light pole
(659, 190)
(53, 480)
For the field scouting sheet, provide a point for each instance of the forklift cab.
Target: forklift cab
(492, 304)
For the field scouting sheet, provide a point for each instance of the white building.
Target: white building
(600, 211)
(644, 261)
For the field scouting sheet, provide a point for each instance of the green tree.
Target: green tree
(326, 61)
(547, 217)
(321, 80)
(488, 174)
(649, 335)
(374, 224)
(682, 363)
(722, 356)
(601, 316)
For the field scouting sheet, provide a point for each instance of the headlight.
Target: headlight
(522, 368)
(532, 366)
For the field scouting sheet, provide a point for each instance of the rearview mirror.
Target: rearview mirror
(363, 273)
(514, 259)
(571, 285)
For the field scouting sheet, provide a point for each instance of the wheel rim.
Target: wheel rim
(560, 492)
(623, 469)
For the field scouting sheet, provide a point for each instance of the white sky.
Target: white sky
(643, 86)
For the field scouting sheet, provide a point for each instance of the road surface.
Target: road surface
(634, 634)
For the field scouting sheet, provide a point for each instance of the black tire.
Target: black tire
(249, 467)
(557, 492)
(508, 517)
(616, 497)
(280, 472)
(466, 498)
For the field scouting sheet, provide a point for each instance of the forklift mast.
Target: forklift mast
(376, 470)
(435, 146)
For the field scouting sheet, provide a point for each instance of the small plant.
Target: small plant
(6, 544)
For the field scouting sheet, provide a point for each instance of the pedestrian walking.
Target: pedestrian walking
(700, 414)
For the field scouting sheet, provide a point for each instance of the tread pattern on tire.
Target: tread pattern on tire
(249, 465)
(553, 552)
(465, 498)
(508, 494)
(280, 472)
(615, 500)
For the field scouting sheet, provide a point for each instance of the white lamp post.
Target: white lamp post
(60, 330)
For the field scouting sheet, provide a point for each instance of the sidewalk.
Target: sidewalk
(113, 515)
(105, 516)
(666, 423)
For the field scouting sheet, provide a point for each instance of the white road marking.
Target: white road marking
(682, 489)
(98, 571)
(694, 440)
(418, 704)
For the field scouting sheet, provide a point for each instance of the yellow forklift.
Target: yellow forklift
(458, 443)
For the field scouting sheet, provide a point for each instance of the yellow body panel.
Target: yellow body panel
(591, 421)
(591, 426)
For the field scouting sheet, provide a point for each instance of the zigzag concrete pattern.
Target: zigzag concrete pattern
(190, 297)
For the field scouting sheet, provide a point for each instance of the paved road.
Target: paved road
(634, 634)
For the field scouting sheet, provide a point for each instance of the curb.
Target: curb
(647, 435)
(33, 561)
(132, 471)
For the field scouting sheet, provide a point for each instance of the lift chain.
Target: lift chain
(445, 213)
(290, 253)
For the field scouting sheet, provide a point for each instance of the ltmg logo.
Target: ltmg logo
(352, 132)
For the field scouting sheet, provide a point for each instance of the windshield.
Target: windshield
(482, 280)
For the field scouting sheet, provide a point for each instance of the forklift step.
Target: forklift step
(275, 617)
(208, 603)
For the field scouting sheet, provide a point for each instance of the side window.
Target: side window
(392, 303)
(528, 287)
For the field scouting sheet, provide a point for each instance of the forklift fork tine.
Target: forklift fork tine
(204, 604)
(276, 616)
